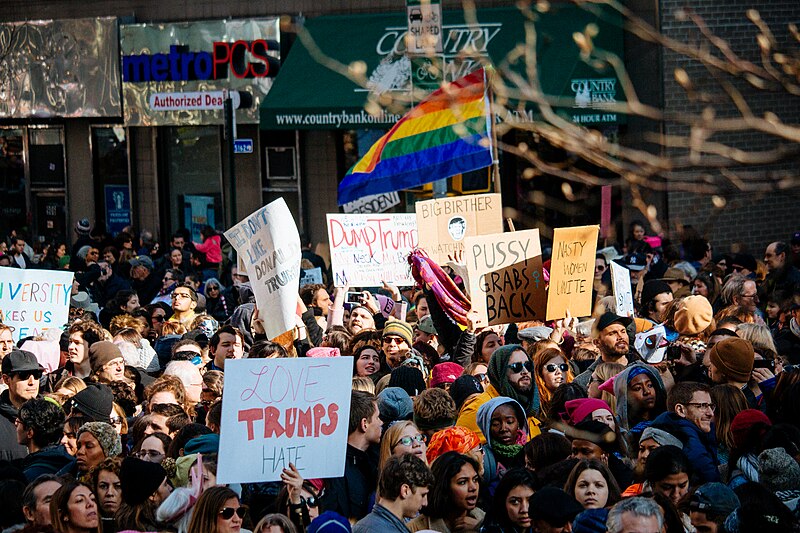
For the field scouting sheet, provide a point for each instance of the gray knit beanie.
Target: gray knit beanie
(778, 470)
(106, 435)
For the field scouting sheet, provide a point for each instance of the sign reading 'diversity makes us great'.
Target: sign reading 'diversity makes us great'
(277, 411)
(505, 277)
(367, 250)
(268, 245)
(32, 301)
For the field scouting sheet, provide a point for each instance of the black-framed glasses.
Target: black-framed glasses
(552, 367)
(227, 512)
(212, 288)
(703, 406)
(176, 295)
(25, 375)
(516, 368)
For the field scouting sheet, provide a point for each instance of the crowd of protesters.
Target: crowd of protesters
(684, 417)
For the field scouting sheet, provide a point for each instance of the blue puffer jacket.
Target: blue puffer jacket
(699, 447)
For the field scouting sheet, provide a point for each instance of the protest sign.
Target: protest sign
(269, 246)
(505, 277)
(621, 283)
(311, 276)
(572, 272)
(33, 301)
(367, 250)
(374, 203)
(444, 223)
(277, 411)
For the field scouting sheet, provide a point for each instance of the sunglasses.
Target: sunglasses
(227, 512)
(393, 340)
(516, 368)
(552, 367)
(408, 441)
(483, 378)
(26, 374)
(311, 501)
(158, 318)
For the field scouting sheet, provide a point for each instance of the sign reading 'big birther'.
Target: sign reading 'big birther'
(505, 277)
(277, 411)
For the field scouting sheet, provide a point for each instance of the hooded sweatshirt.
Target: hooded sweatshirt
(493, 465)
(621, 393)
(500, 386)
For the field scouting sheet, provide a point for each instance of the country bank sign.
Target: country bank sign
(182, 73)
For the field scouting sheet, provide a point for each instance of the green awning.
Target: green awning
(308, 95)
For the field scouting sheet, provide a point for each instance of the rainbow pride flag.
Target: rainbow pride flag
(447, 133)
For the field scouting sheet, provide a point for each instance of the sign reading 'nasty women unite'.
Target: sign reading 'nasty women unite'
(572, 272)
(505, 276)
(268, 245)
(277, 411)
(444, 223)
(367, 250)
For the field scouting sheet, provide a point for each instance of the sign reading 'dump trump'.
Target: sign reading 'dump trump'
(367, 250)
(505, 277)
(268, 245)
(444, 223)
(572, 272)
(32, 301)
(277, 411)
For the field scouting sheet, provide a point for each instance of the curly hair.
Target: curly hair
(127, 322)
(166, 383)
(109, 464)
(91, 331)
(173, 328)
(45, 418)
(365, 338)
(434, 407)
(406, 470)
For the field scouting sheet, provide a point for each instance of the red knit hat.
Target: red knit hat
(580, 408)
(748, 427)
(445, 373)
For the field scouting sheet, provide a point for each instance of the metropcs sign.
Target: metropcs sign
(242, 59)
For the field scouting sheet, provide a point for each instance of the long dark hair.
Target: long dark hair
(513, 478)
(593, 464)
(445, 468)
(59, 505)
(208, 506)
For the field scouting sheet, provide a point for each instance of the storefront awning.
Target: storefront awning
(309, 95)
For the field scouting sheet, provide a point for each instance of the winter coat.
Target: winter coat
(9, 448)
(700, 447)
(49, 460)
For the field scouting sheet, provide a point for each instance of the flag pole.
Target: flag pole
(495, 156)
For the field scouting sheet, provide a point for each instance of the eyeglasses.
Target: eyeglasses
(158, 318)
(213, 288)
(599, 268)
(516, 368)
(408, 441)
(25, 375)
(749, 296)
(115, 420)
(176, 295)
(704, 406)
(167, 279)
(393, 340)
(483, 378)
(227, 512)
(311, 501)
(737, 268)
(149, 453)
(552, 367)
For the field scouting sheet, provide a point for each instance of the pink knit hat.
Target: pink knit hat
(323, 351)
(579, 409)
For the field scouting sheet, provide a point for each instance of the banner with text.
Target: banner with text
(621, 283)
(277, 411)
(367, 250)
(374, 203)
(33, 301)
(572, 272)
(444, 223)
(505, 276)
(269, 246)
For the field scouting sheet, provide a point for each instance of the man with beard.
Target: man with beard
(510, 374)
(690, 417)
(611, 338)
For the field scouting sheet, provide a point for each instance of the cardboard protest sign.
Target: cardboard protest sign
(33, 301)
(367, 250)
(621, 283)
(311, 276)
(505, 277)
(572, 272)
(277, 411)
(268, 244)
(444, 223)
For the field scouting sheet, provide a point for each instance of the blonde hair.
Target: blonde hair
(363, 384)
(173, 328)
(606, 371)
(390, 439)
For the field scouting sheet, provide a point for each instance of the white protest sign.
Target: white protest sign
(367, 250)
(33, 301)
(621, 283)
(374, 203)
(277, 411)
(311, 276)
(269, 246)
